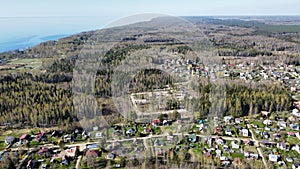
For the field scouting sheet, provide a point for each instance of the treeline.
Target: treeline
(24, 101)
(242, 99)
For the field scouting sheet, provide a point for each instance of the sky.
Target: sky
(120, 8)
(25, 23)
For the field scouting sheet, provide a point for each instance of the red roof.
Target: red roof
(155, 121)
(94, 153)
(43, 150)
(23, 136)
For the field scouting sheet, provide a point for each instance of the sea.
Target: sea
(24, 32)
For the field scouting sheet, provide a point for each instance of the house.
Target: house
(226, 148)
(201, 121)
(44, 166)
(160, 152)
(293, 89)
(95, 128)
(201, 127)
(67, 138)
(84, 134)
(291, 134)
(237, 161)
(292, 119)
(71, 152)
(296, 113)
(165, 122)
(267, 128)
(219, 141)
(218, 130)
(170, 138)
(41, 137)
(234, 145)
(130, 132)
(282, 146)
(192, 138)
(298, 135)
(9, 140)
(98, 135)
(218, 153)
(273, 157)
(294, 126)
(43, 151)
(282, 125)
(227, 119)
(92, 146)
(228, 131)
(267, 122)
(296, 166)
(265, 114)
(31, 164)
(25, 137)
(245, 132)
(253, 155)
(156, 122)
(110, 156)
(93, 153)
(296, 148)
(159, 143)
(65, 160)
(289, 159)
(147, 130)
(237, 120)
(55, 133)
(246, 154)
(254, 125)
(265, 135)
(223, 158)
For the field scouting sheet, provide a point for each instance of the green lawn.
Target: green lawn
(237, 155)
(251, 149)
(293, 140)
(258, 123)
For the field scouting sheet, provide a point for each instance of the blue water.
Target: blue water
(21, 33)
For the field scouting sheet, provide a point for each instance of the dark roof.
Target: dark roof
(10, 139)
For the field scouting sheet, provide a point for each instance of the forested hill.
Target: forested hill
(35, 84)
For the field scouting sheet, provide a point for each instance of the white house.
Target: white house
(282, 124)
(296, 113)
(296, 166)
(228, 131)
(219, 141)
(296, 148)
(98, 135)
(273, 157)
(245, 132)
(223, 158)
(267, 122)
(219, 153)
(227, 119)
(234, 145)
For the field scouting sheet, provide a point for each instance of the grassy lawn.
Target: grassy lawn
(237, 155)
(293, 140)
(251, 149)
(2, 145)
(27, 64)
(258, 123)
